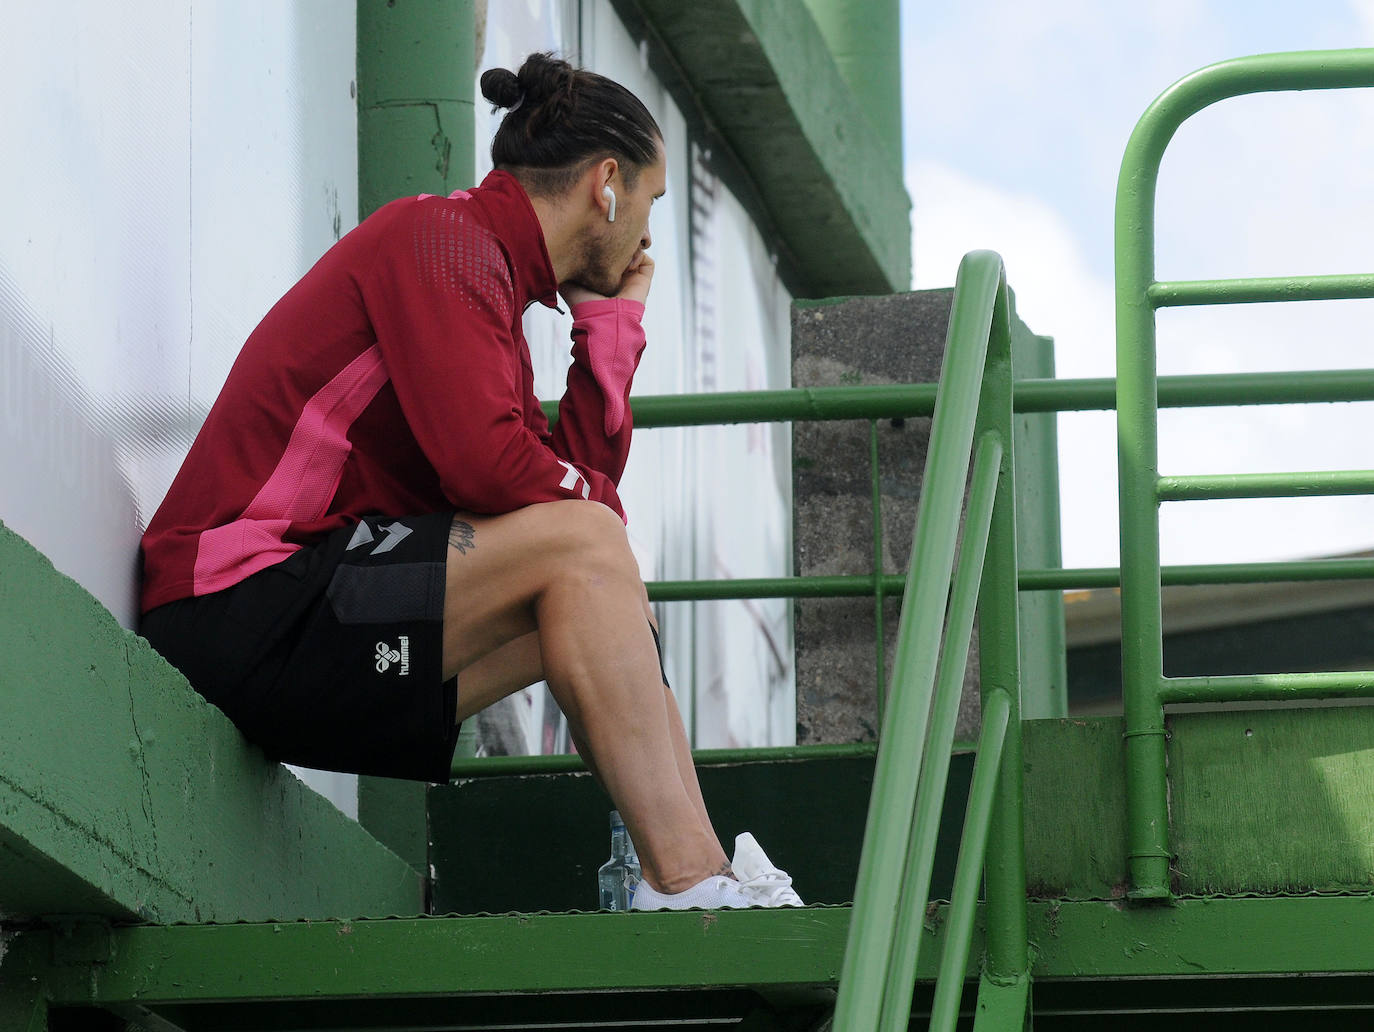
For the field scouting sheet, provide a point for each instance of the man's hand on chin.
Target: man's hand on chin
(634, 285)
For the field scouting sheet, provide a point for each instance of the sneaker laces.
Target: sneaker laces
(759, 878)
(772, 888)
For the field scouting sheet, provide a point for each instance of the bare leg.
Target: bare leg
(513, 666)
(682, 752)
(682, 749)
(499, 673)
(519, 664)
(565, 570)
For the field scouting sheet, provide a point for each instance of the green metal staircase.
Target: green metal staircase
(1106, 873)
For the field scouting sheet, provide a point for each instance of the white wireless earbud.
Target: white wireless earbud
(609, 194)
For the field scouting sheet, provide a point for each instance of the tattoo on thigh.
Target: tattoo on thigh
(461, 536)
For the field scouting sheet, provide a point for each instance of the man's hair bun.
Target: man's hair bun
(547, 82)
(501, 87)
(560, 117)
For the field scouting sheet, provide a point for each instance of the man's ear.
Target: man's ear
(605, 173)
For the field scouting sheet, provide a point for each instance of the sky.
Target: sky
(1015, 120)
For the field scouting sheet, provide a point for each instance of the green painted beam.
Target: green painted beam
(762, 77)
(447, 956)
(865, 39)
(1256, 936)
(1002, 1006)
(124, 794)
(1044, 675)
(249, 965)
(416, 75)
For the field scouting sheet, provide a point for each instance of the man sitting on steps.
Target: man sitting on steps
(376, 534)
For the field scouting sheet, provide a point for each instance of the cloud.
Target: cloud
(1060, 294)
(1056, 295)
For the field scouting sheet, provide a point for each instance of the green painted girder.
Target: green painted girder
(788, 957)
(440, 956)
(760, 74)
(1283, 935)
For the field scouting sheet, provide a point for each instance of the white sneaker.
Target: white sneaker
(757, 884)
(714, 893)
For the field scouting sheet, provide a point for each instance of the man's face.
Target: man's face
(614, 248)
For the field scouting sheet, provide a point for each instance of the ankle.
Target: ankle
(681, 878)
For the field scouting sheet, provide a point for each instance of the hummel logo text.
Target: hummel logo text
(386, 656)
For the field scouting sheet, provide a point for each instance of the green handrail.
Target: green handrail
(897, 401)
(944, 1008)
(1142, 490)
(894, 870)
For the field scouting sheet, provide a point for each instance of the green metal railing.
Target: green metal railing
(1139, 391)
(973, 422)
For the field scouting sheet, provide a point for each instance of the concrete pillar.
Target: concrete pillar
(899, 339)
(894, 339)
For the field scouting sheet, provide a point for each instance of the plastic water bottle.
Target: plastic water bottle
(619, 876)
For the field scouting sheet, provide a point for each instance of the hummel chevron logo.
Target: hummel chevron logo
(573, 480)
(395, 534)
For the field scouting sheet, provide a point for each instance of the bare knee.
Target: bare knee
(586, 537)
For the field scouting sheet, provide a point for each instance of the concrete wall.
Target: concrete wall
(172, 169)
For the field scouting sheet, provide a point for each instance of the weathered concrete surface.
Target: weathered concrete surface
(124, 794)
(895, 339)
(901, 339)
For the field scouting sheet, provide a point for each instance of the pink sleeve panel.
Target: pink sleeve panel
(608, 338)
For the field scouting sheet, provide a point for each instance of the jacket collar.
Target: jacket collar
(514, 221)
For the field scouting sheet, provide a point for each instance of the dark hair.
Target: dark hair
(561, 118)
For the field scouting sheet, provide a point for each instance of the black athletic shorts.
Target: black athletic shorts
(333, 658)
